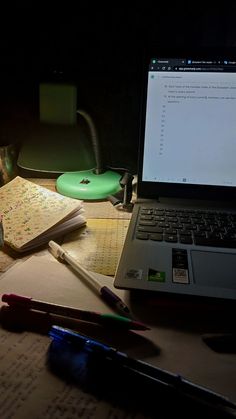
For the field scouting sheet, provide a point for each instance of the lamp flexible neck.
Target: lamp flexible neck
(95, 142)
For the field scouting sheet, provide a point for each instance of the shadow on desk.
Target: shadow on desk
(187, 313)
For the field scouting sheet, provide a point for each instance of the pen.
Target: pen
(111, 320)
(106, 293)
(178, 385)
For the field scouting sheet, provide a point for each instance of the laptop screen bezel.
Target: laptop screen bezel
(154, 190)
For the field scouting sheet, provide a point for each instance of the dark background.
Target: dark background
(99, 48)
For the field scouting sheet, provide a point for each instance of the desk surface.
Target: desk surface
(173, 343)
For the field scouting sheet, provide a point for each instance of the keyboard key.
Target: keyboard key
(156, 237)
(188, 226)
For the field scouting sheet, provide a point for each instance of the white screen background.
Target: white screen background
(190, 133)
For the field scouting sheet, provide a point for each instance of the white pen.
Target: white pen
(106, 293)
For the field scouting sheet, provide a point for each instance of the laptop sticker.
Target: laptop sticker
(157, 276)
(180, 266)
(134, 274)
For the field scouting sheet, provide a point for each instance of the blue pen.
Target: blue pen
(111, 364)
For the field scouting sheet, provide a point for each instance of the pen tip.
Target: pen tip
(123, 322)
(139, 326)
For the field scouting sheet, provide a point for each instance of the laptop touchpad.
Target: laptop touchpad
(214, 269)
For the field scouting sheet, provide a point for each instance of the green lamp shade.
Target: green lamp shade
(87, 185)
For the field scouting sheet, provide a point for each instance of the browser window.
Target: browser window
(190, 130)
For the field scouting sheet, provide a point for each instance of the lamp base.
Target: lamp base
(87, 185)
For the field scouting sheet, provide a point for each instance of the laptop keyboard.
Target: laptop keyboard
(203, 228)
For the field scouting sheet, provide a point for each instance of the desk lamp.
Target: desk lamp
(91, 184)
(59, 146)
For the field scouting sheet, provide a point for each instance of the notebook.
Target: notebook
(182, 235)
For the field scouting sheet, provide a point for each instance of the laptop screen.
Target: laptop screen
(190, 123)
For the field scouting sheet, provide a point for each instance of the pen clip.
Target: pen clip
(61, 334)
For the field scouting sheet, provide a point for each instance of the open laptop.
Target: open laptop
(182, 234)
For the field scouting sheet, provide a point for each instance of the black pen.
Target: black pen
(174, 382)
(104, 319)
